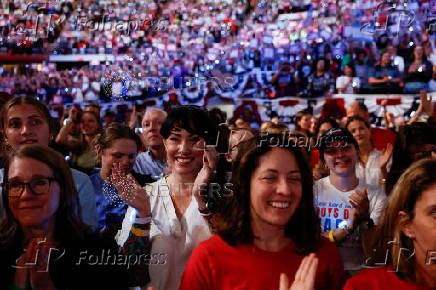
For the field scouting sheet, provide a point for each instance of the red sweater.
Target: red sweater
(216, 265)
(380, 278)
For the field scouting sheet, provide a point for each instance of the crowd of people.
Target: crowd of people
(189, 203)
(313, 54)
(190, 198)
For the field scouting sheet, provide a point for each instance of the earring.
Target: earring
(411, 237)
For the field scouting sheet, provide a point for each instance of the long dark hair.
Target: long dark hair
(234, 224)
(329, 120)
(68, 225)
(298, 117)
(417, 133)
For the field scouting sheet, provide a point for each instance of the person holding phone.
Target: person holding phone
(283, 80)
(182, 212)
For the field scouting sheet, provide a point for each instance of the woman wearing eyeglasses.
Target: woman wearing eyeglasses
(25, 120)
(180, 217)
(43, 242)
(346, 205)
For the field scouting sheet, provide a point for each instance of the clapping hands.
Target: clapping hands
(305, 276)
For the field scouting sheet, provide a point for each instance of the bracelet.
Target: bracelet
(139, 232)
(205, 214)
(142, 226)
(331, 237)
(143, 221)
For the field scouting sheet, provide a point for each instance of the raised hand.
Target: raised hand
(385, 156)
(210, 162)
(130, 191)
(359, 200)
(426, 102)
(305, 276)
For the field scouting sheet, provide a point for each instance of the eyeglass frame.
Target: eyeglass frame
(28, 184)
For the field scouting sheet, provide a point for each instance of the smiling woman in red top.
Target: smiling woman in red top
(266, 228)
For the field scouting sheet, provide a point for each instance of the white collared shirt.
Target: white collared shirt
(370, 174)
(170, 236)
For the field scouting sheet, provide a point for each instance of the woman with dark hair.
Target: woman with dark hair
(418, 73)
(384, 78)
(372, 165)
(348, 83)
(320, 82)
(414, 142)
(260, 233)
(407, 234)
(182, 203)
(43, 242)
(303, 121)
(346, 205)
(25, 120)
(319, 168)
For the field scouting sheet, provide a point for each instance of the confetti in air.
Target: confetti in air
(117, 81)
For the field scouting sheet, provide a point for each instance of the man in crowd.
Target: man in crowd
(153, 161)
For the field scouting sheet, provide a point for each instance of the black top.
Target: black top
(92, 263)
